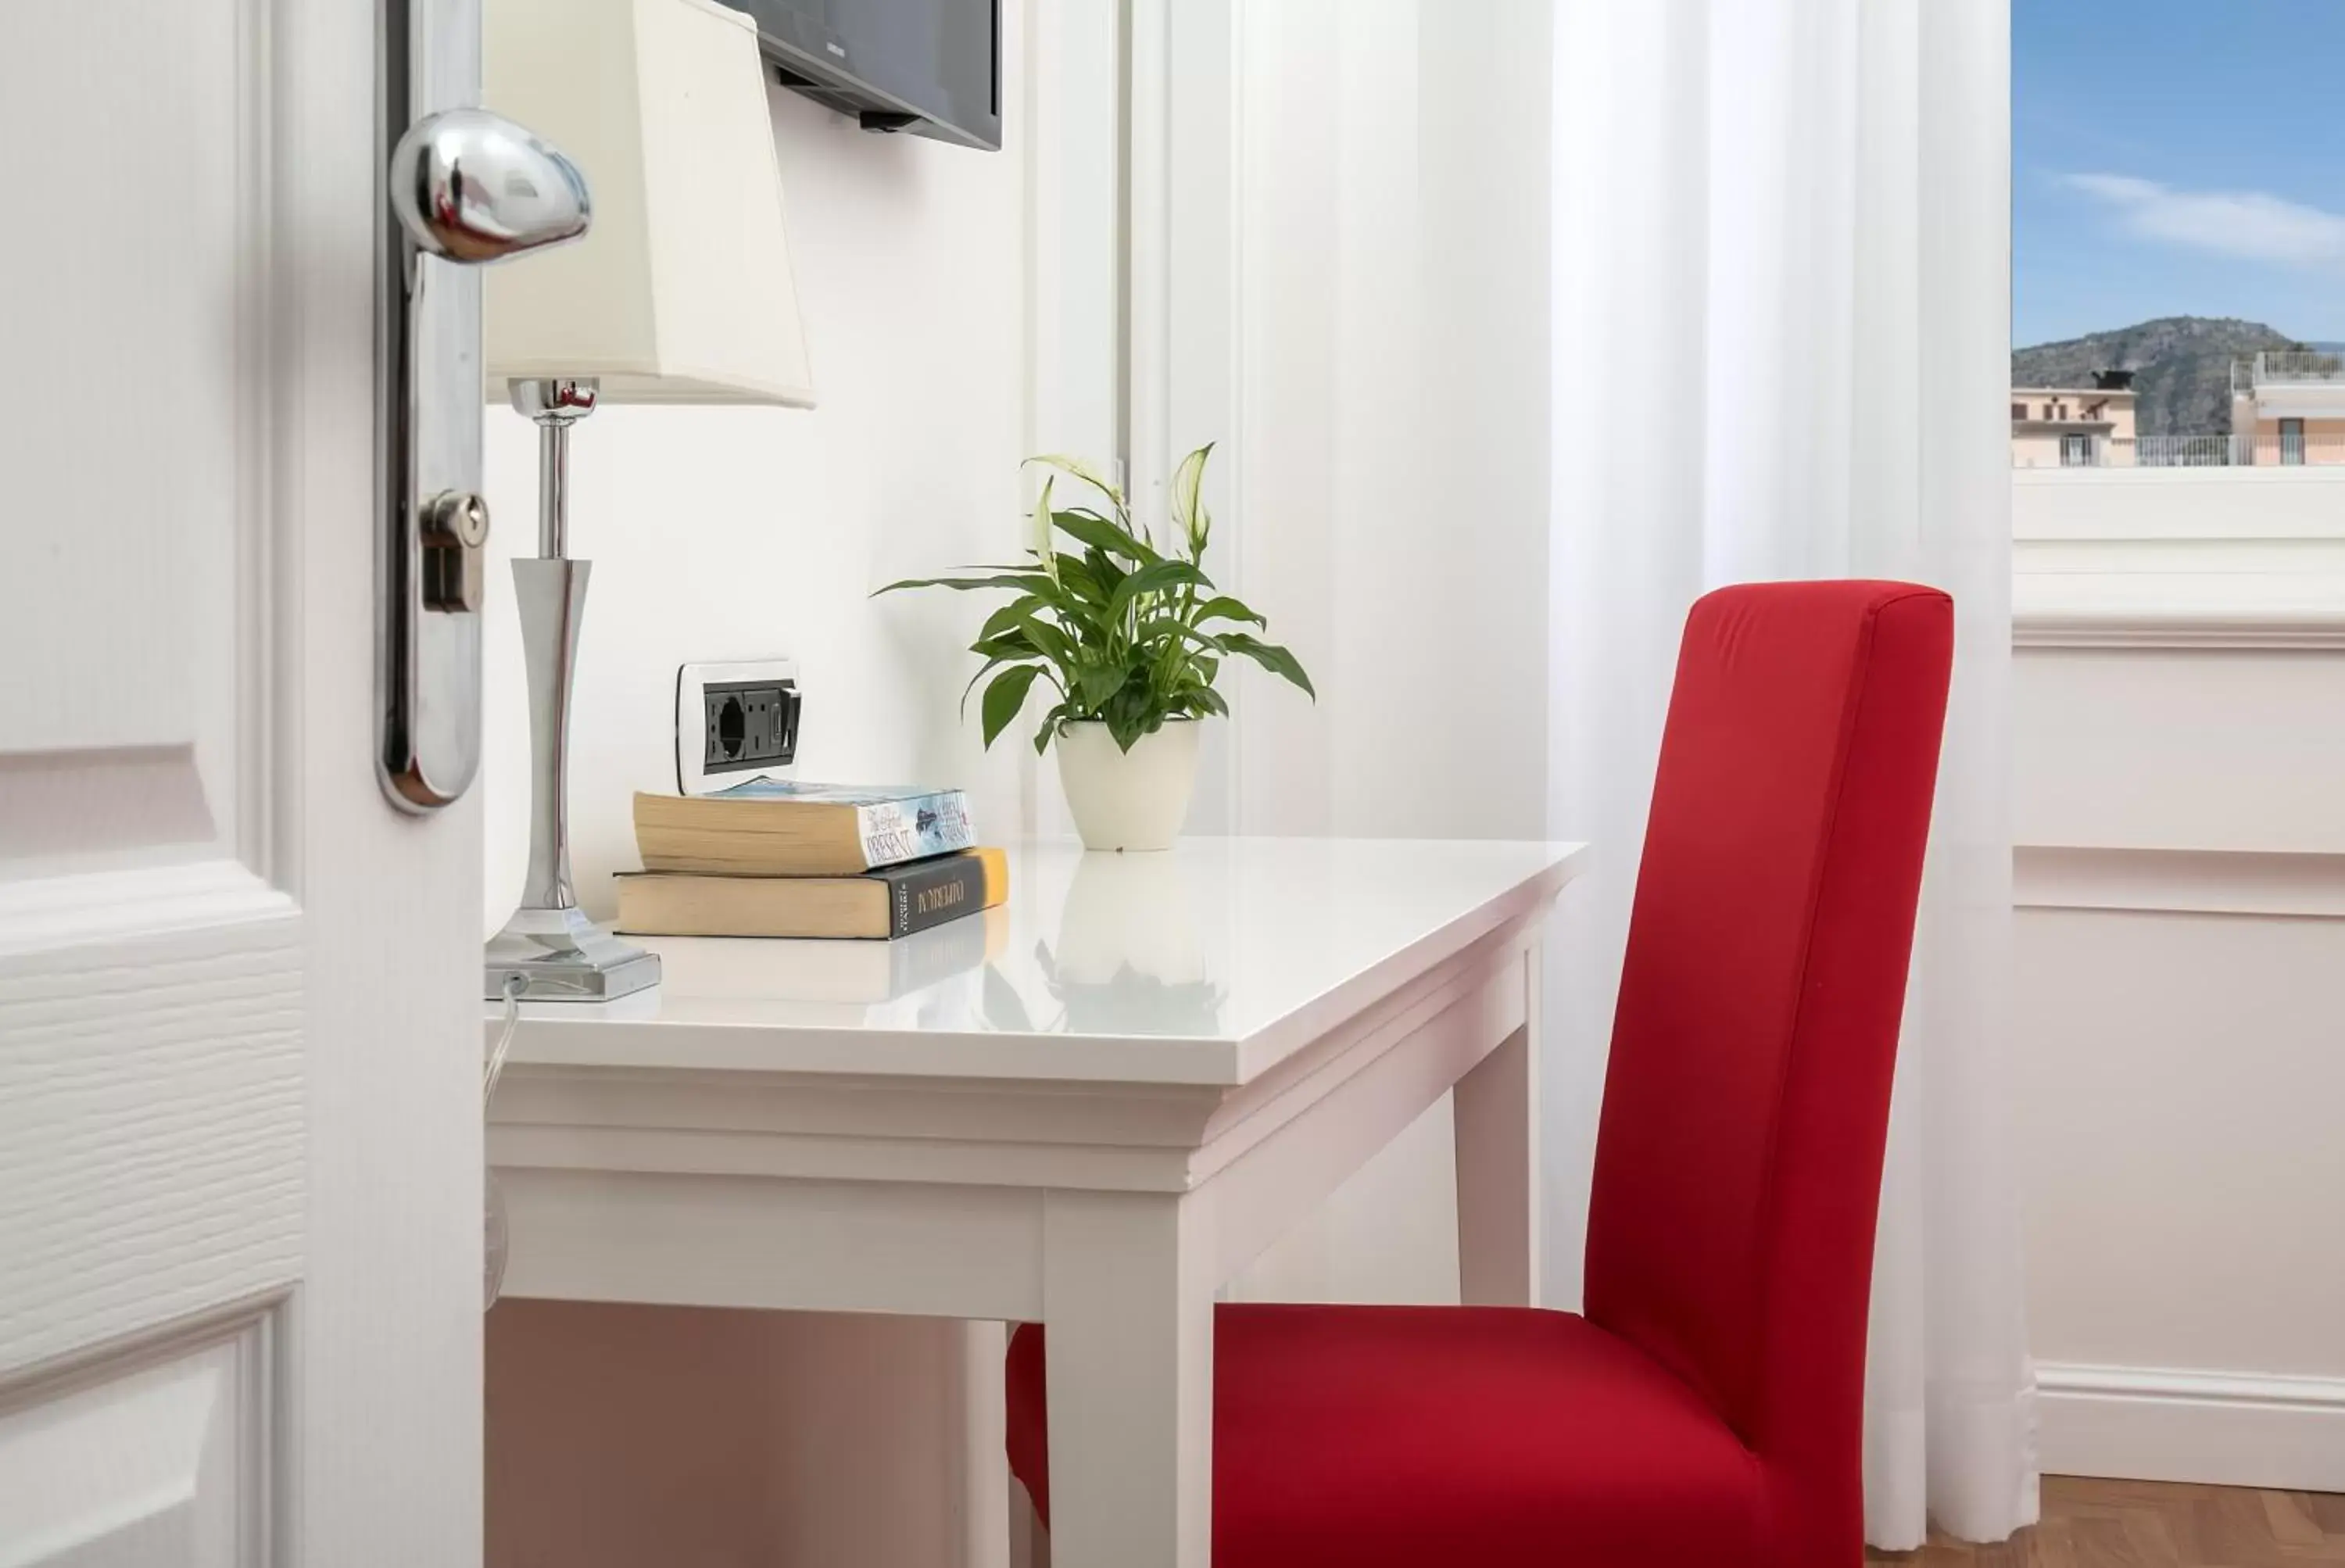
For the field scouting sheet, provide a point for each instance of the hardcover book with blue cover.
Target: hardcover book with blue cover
(780, 827)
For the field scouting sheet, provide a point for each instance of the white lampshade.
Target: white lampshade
(681, 290)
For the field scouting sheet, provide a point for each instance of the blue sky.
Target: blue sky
(2173, 159)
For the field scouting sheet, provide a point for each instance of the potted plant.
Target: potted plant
(1130, 634)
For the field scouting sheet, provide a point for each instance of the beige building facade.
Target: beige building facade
(2074, 427)
(2287, 408)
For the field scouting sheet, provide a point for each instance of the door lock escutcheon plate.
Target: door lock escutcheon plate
(464, 187)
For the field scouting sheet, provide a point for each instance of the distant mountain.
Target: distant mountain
(2181, 365)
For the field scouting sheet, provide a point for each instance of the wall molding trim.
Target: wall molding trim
(2196, 628)
(2226, 1429)
(2301, 885)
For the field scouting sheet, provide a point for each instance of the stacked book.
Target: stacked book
(778, 858)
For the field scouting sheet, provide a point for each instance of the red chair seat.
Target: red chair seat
(1399, 1437)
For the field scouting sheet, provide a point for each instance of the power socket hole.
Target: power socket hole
(732, 728)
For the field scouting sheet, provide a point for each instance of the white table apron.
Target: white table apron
(705, 1154)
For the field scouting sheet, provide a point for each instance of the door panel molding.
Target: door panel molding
(167, 1446)
(37, 915)
(87, 800)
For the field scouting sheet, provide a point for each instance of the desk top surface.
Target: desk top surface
(1206, 964)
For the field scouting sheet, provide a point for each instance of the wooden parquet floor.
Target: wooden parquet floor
(2153, 1524)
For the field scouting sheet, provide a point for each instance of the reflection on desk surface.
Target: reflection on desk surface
(1214, 940)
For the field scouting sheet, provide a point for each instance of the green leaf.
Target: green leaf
(1095, 685)
(1085, 585)
(1154, 579)
(1105, 571)
(1131, 714)
(1271, 656)
(1030, 582)
(1010, 617)
(1175, 632)
(1205, 699)
(1057, 646)
(987, 668)
(1004, 697)
(1050, 723)
(1101, 535)
(1008, 645)
(1225, 609)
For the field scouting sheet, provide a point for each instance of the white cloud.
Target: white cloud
(2249, 224)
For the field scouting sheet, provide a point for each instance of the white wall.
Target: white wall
(639, 1435)
(740, 532)
(2180, 872)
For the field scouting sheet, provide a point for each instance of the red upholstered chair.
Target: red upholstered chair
(1707, 1410)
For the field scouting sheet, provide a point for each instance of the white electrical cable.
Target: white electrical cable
(513, 984)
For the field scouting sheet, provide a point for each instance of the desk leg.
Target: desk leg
(1130, 1310)
(1496, 1111)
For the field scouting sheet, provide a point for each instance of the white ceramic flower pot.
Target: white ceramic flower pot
(1134, 799)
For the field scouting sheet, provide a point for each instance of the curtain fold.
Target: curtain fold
(1781, 306)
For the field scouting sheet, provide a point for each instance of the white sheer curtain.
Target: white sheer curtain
(1781, 316)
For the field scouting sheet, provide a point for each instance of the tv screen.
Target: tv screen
(932, 68)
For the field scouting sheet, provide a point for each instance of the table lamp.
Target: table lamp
(680, 293)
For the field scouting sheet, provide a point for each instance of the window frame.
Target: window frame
(2178, 557)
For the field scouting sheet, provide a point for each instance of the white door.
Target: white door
(240, 1238)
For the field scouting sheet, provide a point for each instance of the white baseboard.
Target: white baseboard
(2227, 1429)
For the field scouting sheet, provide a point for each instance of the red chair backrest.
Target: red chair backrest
(1746, 1105)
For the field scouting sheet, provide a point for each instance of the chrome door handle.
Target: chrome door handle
(464, 187)
(470, 186)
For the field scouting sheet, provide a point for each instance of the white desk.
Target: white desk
(1089, 1108)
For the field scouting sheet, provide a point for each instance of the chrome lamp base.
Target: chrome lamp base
(559, 955)
(550, 945)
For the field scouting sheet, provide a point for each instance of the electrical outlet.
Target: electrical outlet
(735, 721)
(749, 723)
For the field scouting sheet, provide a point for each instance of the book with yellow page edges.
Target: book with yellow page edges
(892, 901)
(781, 828)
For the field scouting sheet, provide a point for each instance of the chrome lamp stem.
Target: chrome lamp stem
(549, 944)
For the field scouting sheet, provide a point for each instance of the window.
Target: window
(2176, 296)
(2177, 288)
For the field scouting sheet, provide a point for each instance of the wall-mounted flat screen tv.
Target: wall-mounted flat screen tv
(932, 68)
